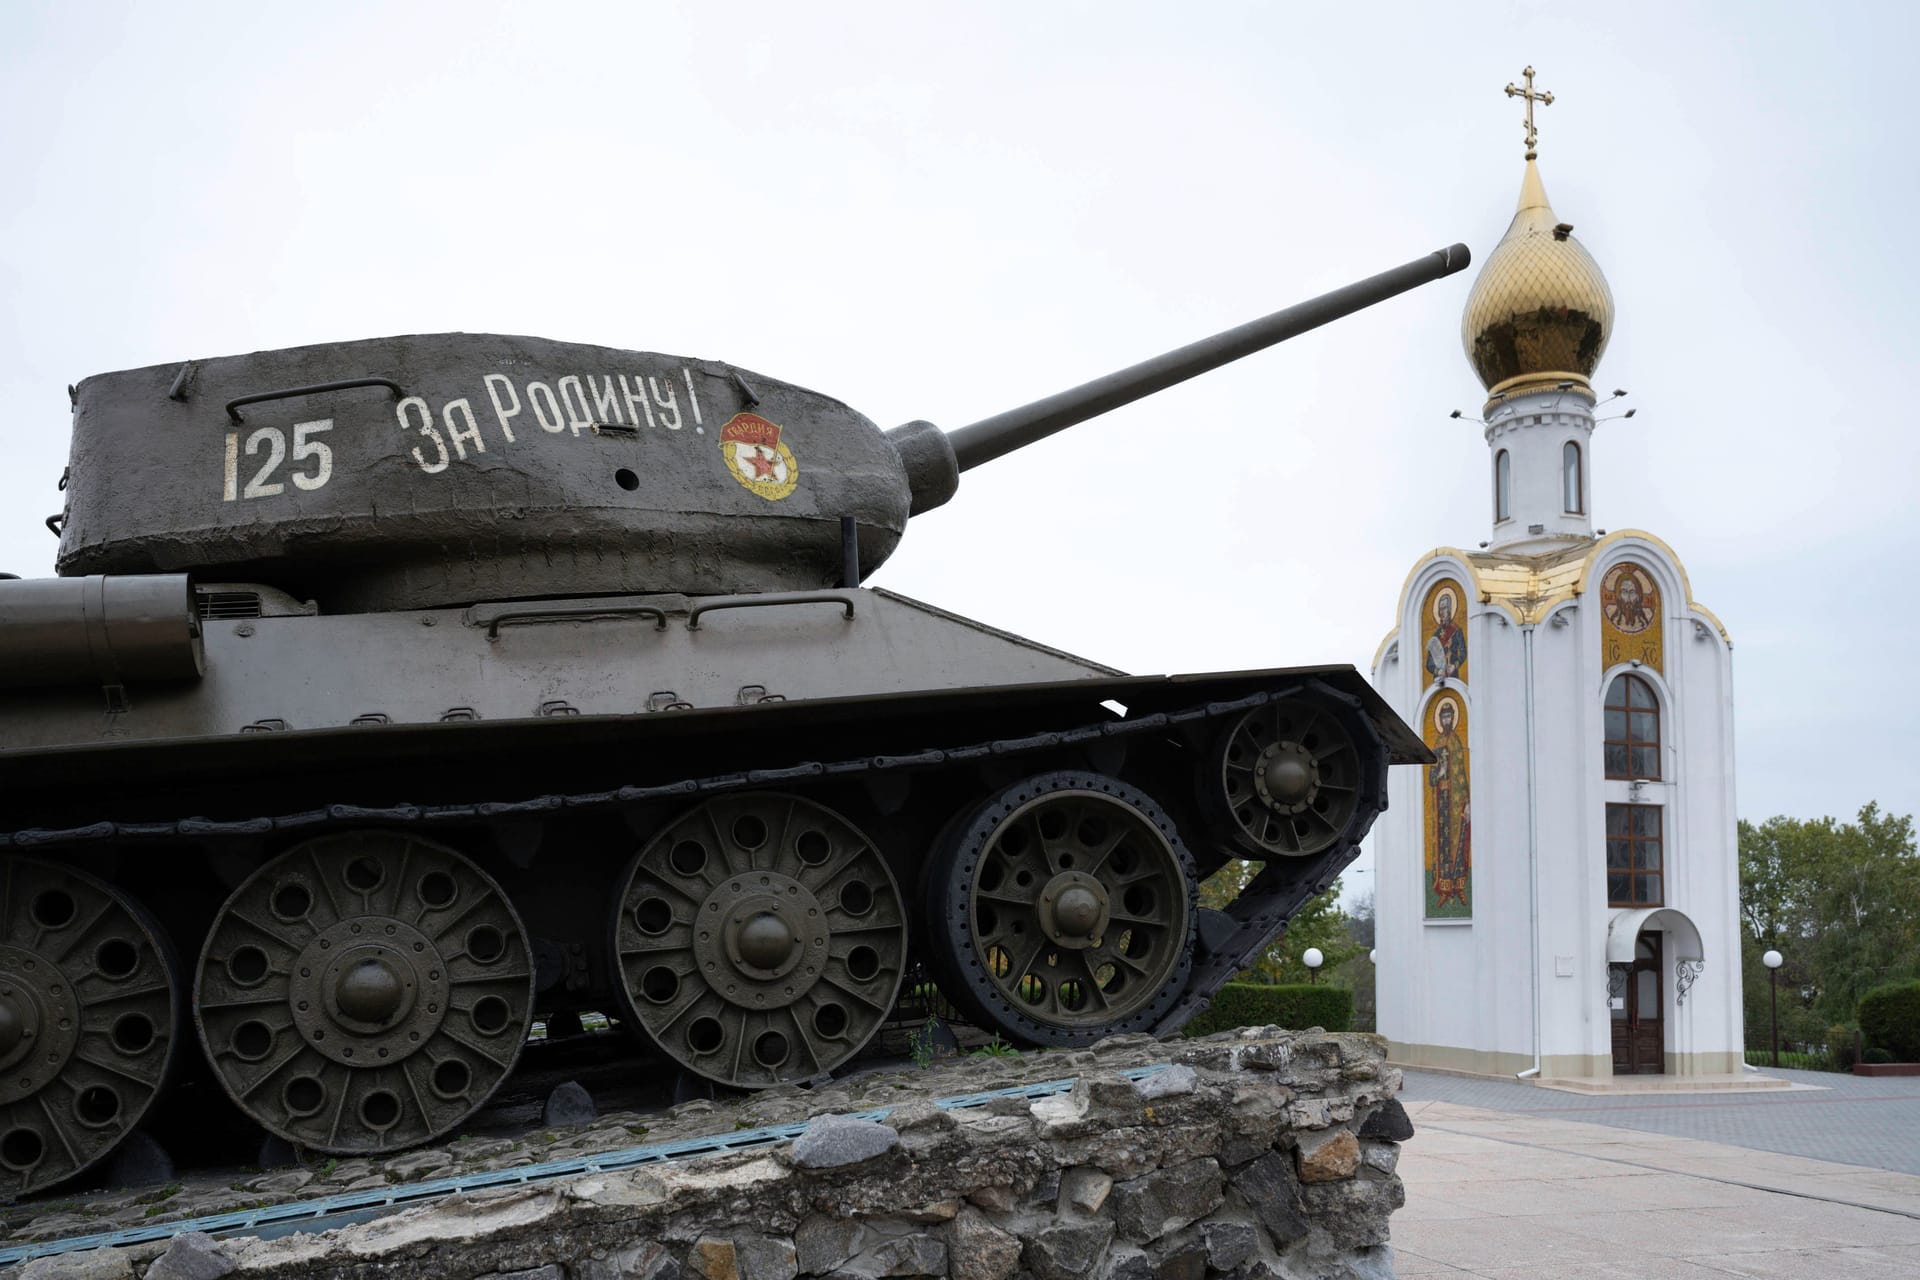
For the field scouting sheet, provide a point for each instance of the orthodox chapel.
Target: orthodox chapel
(1557, 892)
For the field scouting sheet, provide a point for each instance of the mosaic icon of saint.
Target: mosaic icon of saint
(1452, 814)
(1447, 646)
(1624, 600)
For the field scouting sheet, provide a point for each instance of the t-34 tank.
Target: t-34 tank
(397, 693)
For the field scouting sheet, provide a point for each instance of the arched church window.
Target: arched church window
(1502, 487)
(1570, 477)
(1633, 728)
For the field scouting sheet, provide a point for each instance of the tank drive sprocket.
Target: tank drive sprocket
(364, 991)
(88, 1011)
(1063, 910)
(760, 938)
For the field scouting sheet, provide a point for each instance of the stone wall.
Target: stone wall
(1258, 1154)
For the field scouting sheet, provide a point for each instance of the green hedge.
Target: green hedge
(1890, 1020)
(1257, 1004)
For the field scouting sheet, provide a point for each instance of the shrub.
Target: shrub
(1876, 1056)
(1840, 1046)
(1258, 1004)
(1890, 1019)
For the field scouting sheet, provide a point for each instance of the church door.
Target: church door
(1639, 1040)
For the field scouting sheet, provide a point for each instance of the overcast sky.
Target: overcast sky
(941, 211)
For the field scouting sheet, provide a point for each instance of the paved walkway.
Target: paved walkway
(1872, 1121)
(1531, 1183)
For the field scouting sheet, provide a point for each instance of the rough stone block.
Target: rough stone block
(1228, 1244)
(1329, 1157)
(978, 1250)
(1067, 1250)
(1384, 1156)
(994, 1199)
(1176, 1081)
(193, 1256)
(1124, 1262)
(569, 1106)
(1272, 1191)
(94, 1264)
(916, 1117)
(1149, 1207)
(831, 1142)
(644, 1261)
(1189, 1262)
(822, 1243)
(1354, 1213)
(713, 1259)
(912, 1255)
(1084, 1190)
(764, 1258)
(1388, 1123)
(552, 1271)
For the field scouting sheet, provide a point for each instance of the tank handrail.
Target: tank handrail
(987, 439)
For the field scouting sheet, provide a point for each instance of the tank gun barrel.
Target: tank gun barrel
(987, 439)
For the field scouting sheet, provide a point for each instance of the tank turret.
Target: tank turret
(437, 469)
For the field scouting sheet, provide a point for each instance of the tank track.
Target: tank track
(1224, 940)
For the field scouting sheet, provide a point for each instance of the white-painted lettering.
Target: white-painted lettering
(495, 381)
(572, 397)
(276, 454)
(549, 413)
(459, 435)
(693, 400)
(606, 405)
(637, 397)
(667, 403)
(304, 448)
(427, 429)
(232, 488)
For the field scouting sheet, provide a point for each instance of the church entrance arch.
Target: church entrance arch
(1646, 950)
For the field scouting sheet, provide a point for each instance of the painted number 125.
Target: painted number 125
(273, 442)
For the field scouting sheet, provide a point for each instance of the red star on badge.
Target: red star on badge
(762, 462)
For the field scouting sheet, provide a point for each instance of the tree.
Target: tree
(1841, 903)
(1319, 923)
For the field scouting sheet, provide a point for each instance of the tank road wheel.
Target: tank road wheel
(364, 992)
(761, 939)
(1063, 910)
(87, 1015)
(1286, 778)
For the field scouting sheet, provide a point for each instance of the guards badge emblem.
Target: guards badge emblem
(759, 461)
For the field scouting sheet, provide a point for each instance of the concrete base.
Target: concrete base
(1745, 1080)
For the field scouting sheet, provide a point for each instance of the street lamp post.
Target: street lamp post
(1773, 961)
(1312, 958)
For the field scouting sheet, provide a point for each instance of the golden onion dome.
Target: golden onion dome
(1540, 312)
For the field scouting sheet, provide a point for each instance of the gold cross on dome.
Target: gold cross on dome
(1544, 98)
